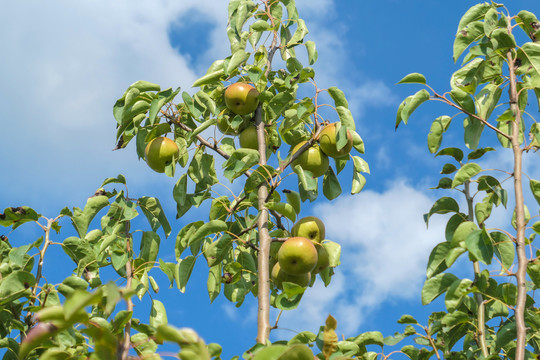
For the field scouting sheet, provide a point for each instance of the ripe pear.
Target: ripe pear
(241, 98)
(310, 227)
(160, 152)
(313, 159)
(328, 141)
(279, 277)
(297, 255)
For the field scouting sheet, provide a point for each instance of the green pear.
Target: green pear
(310, 227)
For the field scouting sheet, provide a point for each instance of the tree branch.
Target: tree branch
(483, 121)
(263, 295)
(126, 344)
(481, 326)
(521, 273)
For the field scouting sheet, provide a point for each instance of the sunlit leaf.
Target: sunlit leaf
(413, 78)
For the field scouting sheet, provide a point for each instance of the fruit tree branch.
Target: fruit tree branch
(481, 328)
(521, 273)
(483, 121)
(126, 344)
(263, 295)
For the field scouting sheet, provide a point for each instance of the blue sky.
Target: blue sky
(65, 63)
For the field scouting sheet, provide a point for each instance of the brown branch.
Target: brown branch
(481, 327)
(263, 295)
(521, 273)
(201, 140)
(126, 344)
(483, 121)
(42, 252)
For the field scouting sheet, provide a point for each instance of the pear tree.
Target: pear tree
(298, 138)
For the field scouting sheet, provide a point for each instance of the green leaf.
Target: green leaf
(463, 99)
(184, 235)
(214, 281)
(184, 271)
(82, 218)
(437, 259)
(468, 77)
(210, 227)
(278, 104)
(463, 230)
(154, 213)
(237, 59)
(491, 20)
(533, 270)
(312, 52)
(478, 153)
(149, 249)
(120, 179)
(442, 206)
(272, 352)
(202, 171)
(240, 161)
(158, 314)
(412, 104)
(503, 38)
(444, 183)
(331, 186)
(506, 334)
(16, 216)
(299, 34)
(466, 173)
(368, 338)
(407, 319)
(438, 127)
(475, 13)
(436, 286)
(453, 319)
(358, 183)
(209, 78)
(346, 118)
(144, 86)
(529, 54)
(480, 247)
(413, 78)
(482, 210)
(358, 143)
(260, 25)
(473, 132)
(293, 198)
(535, 189)
(487, 99)
(468, 32)
(15, 285)
(448, 169)
(528, 22)
(284, 209)
(504, 249)
(180, 196)
(455, 293)
(456, 153)
(527, 216)
(338, 96)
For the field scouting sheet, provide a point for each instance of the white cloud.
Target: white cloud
(64, 65)
(385, 247)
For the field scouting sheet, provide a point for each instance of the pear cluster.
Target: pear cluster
(315, 158)
(301, 255)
